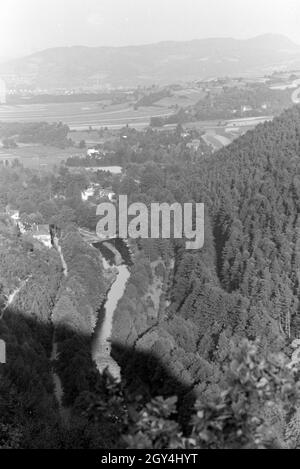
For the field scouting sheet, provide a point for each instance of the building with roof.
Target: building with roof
(42, 234)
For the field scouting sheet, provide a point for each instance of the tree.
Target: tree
(237, 419)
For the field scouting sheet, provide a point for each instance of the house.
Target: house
(93, 153)
(13, 214)
(39, 232)
(247, 108)
(88, 193)
(194, 144)
(42, 234)
(107, 193)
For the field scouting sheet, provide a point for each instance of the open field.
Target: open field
(82, 115)
(250, 122)
(182, 98)
(94, 169)
(219, 134)
(45, 158)
(78, 135)
(38, 156)
(216, 140)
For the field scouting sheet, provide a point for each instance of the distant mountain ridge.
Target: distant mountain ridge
(163, 62)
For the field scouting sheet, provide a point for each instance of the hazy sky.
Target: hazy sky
(30, 25)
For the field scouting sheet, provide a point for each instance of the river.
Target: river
(101, 343)
(114, 253)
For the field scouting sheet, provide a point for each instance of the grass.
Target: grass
(81, 115)
(38, 156)
(182, 98)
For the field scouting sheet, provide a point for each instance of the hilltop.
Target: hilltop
(153, 63)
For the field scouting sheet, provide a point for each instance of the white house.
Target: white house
(246, 108)
(13, 214)
(88, 193)
(107, 193)
(92, 152)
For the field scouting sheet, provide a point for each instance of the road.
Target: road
(11, 298)
(63, 262)
(295, 96)
(65, 412)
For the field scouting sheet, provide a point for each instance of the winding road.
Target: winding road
(11, 298)
(63, 262)
(295, 95)
(65, 412)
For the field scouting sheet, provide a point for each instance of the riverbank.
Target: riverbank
(101, 343)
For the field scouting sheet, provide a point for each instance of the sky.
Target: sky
(27, 26)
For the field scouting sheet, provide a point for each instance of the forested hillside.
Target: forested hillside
(245, 282)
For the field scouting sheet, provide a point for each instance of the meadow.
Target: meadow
(182, 98)
(39, 157)
(82, 115)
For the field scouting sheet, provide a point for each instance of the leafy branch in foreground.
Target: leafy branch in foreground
(240, 418)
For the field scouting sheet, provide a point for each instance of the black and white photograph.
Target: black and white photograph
(149, 228)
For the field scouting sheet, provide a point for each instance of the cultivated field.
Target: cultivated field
(219, 134)
(38, 156)
(182, 98)
(82, 115)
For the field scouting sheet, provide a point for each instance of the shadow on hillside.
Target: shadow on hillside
(145, 375)
(27, 389)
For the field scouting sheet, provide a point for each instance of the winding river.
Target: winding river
(101, 343)
(116, 254)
